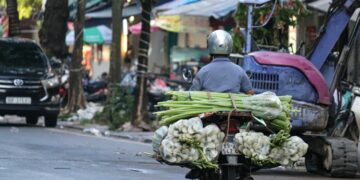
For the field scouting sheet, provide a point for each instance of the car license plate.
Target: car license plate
(228, 148)
(18, 100)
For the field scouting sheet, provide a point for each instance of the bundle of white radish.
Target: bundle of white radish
(158, 136)
(254, 145)
(290, 151)
(183, 129)
(174, 152)
(188, 142)
(279, 148)
(212, 141)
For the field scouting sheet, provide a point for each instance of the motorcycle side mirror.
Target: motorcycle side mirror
(187, 75)
(55, 64)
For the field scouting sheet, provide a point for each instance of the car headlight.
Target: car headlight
(51, 82)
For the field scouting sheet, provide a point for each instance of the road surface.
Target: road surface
(36, 153)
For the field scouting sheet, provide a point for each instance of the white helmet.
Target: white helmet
(220, 42)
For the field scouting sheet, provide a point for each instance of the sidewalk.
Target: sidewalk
(101, 130)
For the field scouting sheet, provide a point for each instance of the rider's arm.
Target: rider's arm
(196, 84)
(245, 85)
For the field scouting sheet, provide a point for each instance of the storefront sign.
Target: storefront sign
(187, 24)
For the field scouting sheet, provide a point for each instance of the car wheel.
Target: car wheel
(51, 120)
(31, 120)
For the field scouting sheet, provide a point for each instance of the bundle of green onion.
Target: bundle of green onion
(274, 110)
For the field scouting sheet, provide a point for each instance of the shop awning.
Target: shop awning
(207, 8)
(136, 28)
(107, 13)
(94, 35)
(173, 4)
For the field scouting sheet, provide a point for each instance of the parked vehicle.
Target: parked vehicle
(331, 150)
(96, 91)
(29, 86)
(332, 129)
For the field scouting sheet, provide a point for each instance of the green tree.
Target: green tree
(274, 33)
(27, 7)
(19, 9)
(141, 99)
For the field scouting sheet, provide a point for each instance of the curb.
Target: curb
(108, 133)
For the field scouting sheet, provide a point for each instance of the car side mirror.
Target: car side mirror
(187, 75)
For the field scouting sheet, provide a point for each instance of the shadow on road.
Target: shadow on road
(5, 124)
(302, 173)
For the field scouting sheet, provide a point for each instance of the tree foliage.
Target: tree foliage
(287, 13)
(25, 7)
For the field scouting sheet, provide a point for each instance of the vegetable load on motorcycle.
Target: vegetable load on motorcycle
(185, 140)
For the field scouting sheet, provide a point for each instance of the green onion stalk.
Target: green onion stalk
(274, 110)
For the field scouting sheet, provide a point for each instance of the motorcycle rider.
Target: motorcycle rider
(221, 75)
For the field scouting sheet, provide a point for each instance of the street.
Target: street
(42, 153)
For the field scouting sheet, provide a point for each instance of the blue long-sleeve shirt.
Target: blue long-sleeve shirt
(221, 75)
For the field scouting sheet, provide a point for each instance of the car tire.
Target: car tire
(51, 120)
(31, 120)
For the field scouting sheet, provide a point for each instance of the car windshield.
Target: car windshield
(21, 58)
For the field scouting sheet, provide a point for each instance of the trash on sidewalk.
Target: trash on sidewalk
(93, 131)
(88, 113)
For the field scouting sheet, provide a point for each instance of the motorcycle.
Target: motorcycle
(96, 91)
(232, 165)
(64, 87)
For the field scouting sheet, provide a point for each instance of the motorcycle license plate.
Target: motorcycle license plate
(228, 148)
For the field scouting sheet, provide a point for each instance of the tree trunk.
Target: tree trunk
(115, 59)
(76, 92)
(14, 24)
(53, 31)
(115, 62)
(141, 99)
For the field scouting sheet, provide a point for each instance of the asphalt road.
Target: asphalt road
(40, 153)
